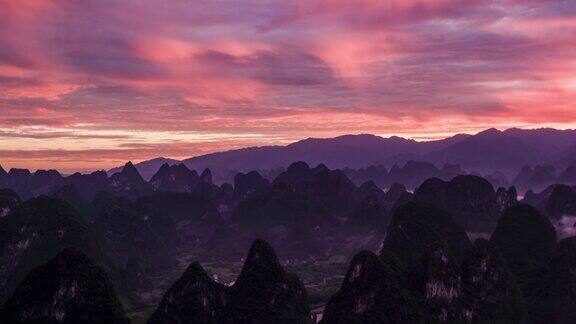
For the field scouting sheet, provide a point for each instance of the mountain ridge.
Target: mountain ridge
(514, 148)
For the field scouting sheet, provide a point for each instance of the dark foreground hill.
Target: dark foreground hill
(69, 289)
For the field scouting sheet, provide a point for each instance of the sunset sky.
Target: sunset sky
(89, 84)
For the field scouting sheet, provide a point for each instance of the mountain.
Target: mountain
(148, 168)
(371, 293)
(471, 200)
(70, 288)
(411, 174)
(549, 141)
(561, 202)
(35, 232)
(194, 298)
(249, 185)
(440, 286)
(490, 149)
(176, 177)
(352, 151)
(536, 178)
(527, 241)
(416, 227)
(559, 292)
(492, 292)
(87, 184)
(262, 293)
(42, 182)
(18, 180)
(127, 234)
(265, 293)
(128, 182)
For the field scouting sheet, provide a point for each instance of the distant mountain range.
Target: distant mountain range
(490, 150)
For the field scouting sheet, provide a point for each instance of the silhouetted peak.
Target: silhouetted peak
(175, 177)
(490, 132)
(261, 264)
(193, 298)
(526, 238)
(264, 292)
(163, 170)
(128, 179)
(206, 175)
(3, 172)
(194, 273)
(183, 168)
(415, 226)
(249, 185)
(129, 168)
(130, 173)
(19, 172)
(433, 191)
(262, 254)
(298, 167)
(562, 201)
(369, 186)
(321, 168)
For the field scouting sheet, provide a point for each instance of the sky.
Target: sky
(90, 84)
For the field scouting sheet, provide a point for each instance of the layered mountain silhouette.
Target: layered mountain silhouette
(488, 150)
(422, 219)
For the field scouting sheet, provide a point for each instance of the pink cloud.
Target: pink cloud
(288, 69)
